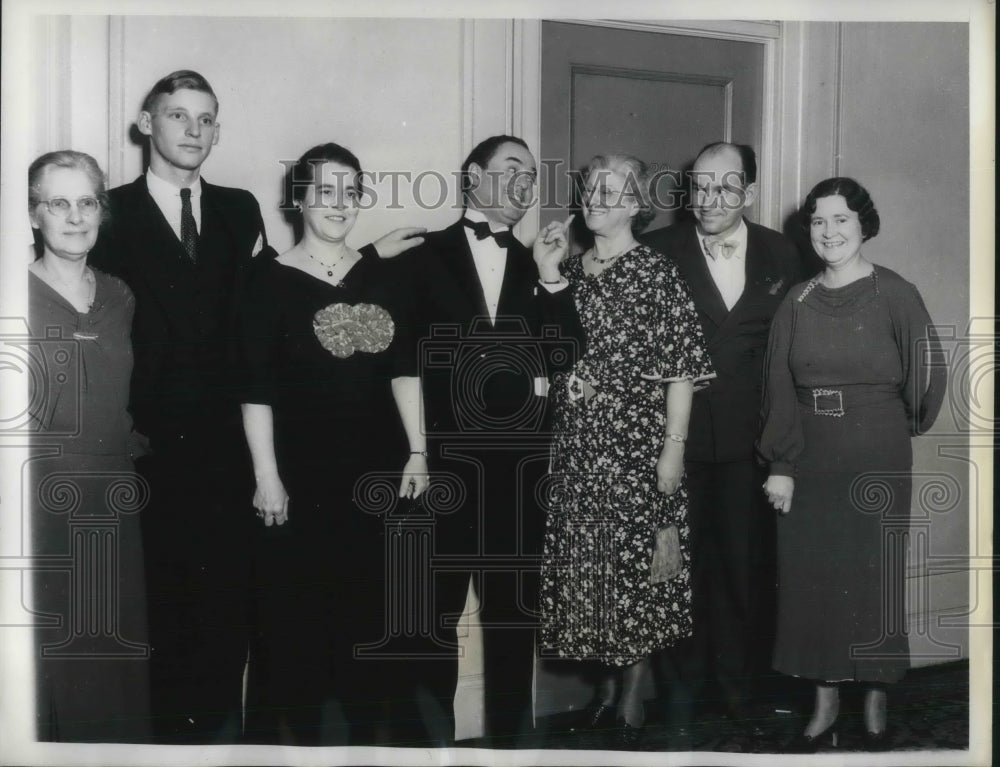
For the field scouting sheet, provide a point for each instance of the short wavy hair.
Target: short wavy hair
(182, 79)
(857, 198)
(67, 158)
(302, 175)
(638, 183)
(483, 152)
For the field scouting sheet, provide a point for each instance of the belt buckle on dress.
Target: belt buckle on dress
(828, 402)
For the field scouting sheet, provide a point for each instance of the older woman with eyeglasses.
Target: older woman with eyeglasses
(82, 320)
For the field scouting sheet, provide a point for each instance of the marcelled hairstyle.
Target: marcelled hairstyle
(637, 183)
(483, 152)
(856, 197)
(748, 157)
(302, 175)
(175, 81)
(67, 158)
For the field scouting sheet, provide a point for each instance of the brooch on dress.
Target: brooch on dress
(343, 329)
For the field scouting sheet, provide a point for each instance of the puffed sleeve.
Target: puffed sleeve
(925, 373)
(680, 342)
(781, 441)
(258, 333)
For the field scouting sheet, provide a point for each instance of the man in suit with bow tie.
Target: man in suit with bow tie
(738, 273)
(494, 323)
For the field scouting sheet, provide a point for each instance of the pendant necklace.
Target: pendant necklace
(328, 267)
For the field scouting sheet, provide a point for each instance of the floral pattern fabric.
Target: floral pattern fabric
(604, 511)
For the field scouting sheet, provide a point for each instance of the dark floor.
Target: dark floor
(928, 710)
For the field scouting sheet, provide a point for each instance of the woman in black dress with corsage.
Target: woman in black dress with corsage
(616, 569)
(332, 416)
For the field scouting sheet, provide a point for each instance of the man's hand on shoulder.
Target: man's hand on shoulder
(399, 241)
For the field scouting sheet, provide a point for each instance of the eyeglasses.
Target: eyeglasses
(60, 206)
(605, 196)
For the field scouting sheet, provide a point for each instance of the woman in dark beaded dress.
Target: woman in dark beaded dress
(847, 385)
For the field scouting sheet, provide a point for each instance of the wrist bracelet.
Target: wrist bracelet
(419, 452)
(676, 438)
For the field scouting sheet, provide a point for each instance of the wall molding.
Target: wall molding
(117, 121)
(838, 99)
(526, 102)
(54, 82)
(720, 30)
(466, 67)
(655, 76)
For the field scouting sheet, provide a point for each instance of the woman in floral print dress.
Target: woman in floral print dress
(615, 574)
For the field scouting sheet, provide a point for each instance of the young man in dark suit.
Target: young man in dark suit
(738, 273)
(494, 323)
(182, 245)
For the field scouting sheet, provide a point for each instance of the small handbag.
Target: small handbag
(666, 555)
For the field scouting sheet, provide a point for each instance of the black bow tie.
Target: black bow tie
(482, 230)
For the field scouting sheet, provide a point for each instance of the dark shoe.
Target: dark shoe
(597, 716)
(746, 720)
(875, 741)
(806, 744)
(680, 739)
(628, 737)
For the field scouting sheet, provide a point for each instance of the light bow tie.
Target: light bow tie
(716, 247)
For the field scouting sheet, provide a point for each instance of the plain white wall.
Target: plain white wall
(390, 90)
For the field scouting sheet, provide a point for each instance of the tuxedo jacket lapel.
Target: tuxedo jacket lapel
(513, 277)
(703, 287)
(457, 258)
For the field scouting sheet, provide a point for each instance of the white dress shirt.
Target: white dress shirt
(491, 263)
(168, 199)
(729, 274)
(490, 260)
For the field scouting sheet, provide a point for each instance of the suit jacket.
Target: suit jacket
(182, 386)
(725, 417)
(479, 377)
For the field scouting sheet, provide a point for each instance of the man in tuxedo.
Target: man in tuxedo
(494, 323)
(738, 273)
(182, 245)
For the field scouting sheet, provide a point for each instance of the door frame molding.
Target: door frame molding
(782, 97)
